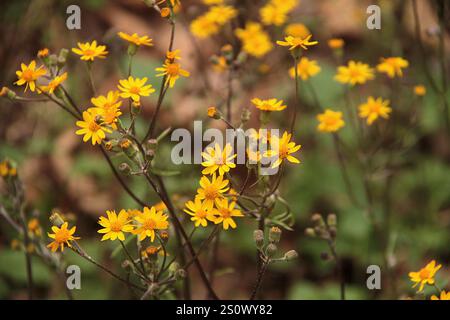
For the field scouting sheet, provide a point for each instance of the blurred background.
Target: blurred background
(62, 173)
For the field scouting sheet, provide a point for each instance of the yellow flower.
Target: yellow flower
(210, 191)
(173, 55)
(172, 71)
(273, 15)
(221, 14)
(305, 69)
(212, 112)
(115, 225)
(373, 109)
(135, 39)
(43, 53)
(354, 73)
(255, 41)
(199, 211)
(54, 83)
(6, 169)
(61, 236)
(160, 206)
(297, 42)
(218, 159)
(149, 222)
(286, 5)
(212, 2)
(203, 27)
(135, 88)
(392, 66)
(282, 148)
(444, 296)
(34, 227)
(29, 74)
(108, 107)
(425, 275)
(336, 43)
(330, 121)
(297, 30)
(225, 212)
(92, 127)
(90, 51)
(420, 90)
(269, 105)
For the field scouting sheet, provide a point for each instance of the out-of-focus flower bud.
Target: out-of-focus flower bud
(258, 237)
(331, 220)
(317, 220)
(56, 219)
(291, 255)
(213, 113)
(164, 235)
(271, 249)
(245, 116)
(274, 234)
(125, 168)
(310, 232)
(52, 60)
(165, 12)
(124, 143)
(180, 274)
(132, 49)
(6, 92)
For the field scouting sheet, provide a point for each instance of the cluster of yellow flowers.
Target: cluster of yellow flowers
(255, 41)
(426, 276)
(211, 22)
(275, 11)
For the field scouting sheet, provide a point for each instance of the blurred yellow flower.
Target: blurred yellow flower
(297, 30)
(354, 73)
(225, 212)
(425, 275)
(6, 169)
(199, 211)
(282, 148)
(444, 296)
(135, 88)
(305, 69)
(136, 39)
(43, 53)
(273, 15)
(115, 225)
(54, 83)
(34, 227)
(90, 51)
(297, 42)
(212, 190)
(217, 159)
(221, 14)
(172, 71)
(336, 43)
(420, 90)
(92, 127)
(392, 66)
(373, 109)
(255, 41)
(29, 74)
(149, 222)
(61, 236)
(212, 2)
(269, 105)
(203, 27)
(330, 121)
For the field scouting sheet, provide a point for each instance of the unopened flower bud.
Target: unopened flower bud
(165, 12)
(258, 236)
(124, 143)
(127, 265)
(164, 235)
(310, 232)
(52, 60)
(271, 250)
(331, 220)
(180, 274)
(245, 116)
(132, 49)
(317, 219)
(125, 168)
(291, 255)
(56, 219)
(274, 234)
(213, 113)
(6, 92)
(152, 144)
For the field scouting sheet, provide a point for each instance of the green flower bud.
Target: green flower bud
(331, 220)
(271, 250)
(274, 234)
(291, 255)
(125, 168)
(310, 232)
(56, 219)
(258, 236)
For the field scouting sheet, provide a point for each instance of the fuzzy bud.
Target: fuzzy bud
(331, 220)
(274, 234)
(56, 219)
(213, 113)
(125, 168)
(291, 255)
(317, 220)
(245, 116)
(258, 236)
(180, 274)
(310, 232)
(271, 249)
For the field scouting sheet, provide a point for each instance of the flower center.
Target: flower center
(173, 69)
(89, 52)
(149, 224)
(135, 90)
(283, 151)
(225, 213)
(424, 274)
(211, 192)
(27, 75)
(201, 214)
(62, 236)
(115, 226)
(93, 126)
